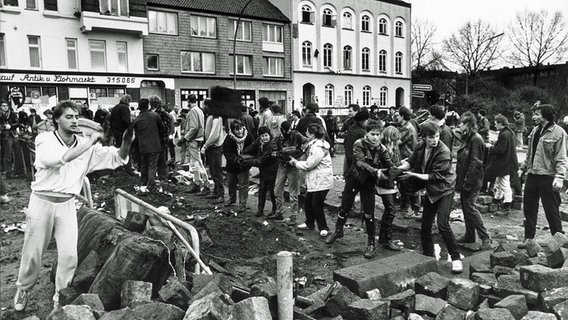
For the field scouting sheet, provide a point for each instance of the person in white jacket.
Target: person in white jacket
(319, 178)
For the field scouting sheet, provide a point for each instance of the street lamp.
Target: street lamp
(477, 48)
(235, 45)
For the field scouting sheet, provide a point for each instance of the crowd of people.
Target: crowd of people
(405, 158)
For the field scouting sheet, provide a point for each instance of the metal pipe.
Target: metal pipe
(199, 261)
(235, 44)
(191, 229)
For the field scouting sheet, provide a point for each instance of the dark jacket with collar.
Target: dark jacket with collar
(235, 162)
(447, 136)
(265, 158)
(469, 168)
(370, 159)
(147, 126)
(308, 119)
(354, 133)
(441, 175)
(503, 155)
(120, 118)
(9, 118)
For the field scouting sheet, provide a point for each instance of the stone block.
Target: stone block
(511, 285)
(432, 284)
(156, 310)
(374, 294)
(366, 309)
(539, 278)
(300, 315)
(561, 310)
(517, 304)
(403, 301)
(485, 289)
(199, 281)
(87, 271)
(564, 215)
(485, 199)
(494, 314)
(67, 295)
(463, 293)
(323, 293)
(159, 233)
(92, 300)
(556, 258)
(479, 266)
(215, 306)
(255, 308)
(414, 316)
(450, 312)
(267, 290)
(134, 293)
(390, 275)
(205, 291)
(493, 207)
(559, 240)
(549, 298)
(533, 248)
(135, 221)
(72, 312)
(339, 303)
(317, 309)
(482, 208)
(537, 315)
(484, 305)
(491, 299)
(503, 258)
(429, 306)
(120, 314)
(505, 246)
(484, 278)
(504, 271)
(175, 293)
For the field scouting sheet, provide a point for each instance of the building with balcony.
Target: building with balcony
(86, 50)
(350, 52)
(193, 42)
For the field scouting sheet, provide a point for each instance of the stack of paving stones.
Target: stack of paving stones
(486, 204)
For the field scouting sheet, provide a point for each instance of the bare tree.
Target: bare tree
(474, 47)
(422, 41)
(537, 37)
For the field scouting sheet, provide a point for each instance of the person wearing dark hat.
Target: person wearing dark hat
(356, 131)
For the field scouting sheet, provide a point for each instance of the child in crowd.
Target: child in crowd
(237, 168)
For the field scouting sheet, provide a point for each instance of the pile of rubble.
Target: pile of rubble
(487, 204)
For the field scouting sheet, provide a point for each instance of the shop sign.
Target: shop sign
(132, 82)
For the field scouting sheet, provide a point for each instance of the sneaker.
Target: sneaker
(337, 234)
(4, 199)
(457, 266)
(20, 299)
(304, 226)
(486, 244)
(369, 252)
(323, 233)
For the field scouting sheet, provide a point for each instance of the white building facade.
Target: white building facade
(351, 52)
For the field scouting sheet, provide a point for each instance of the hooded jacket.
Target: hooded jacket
(319, 172)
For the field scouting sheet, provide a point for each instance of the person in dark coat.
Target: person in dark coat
(265, 151)
(503, 162)
(331, 126)
(248, 122)
(356, 131)
(438, 115)
(309, 118)
(352, 110)
(33, 120)
(120, 118)
(469, 177)
(237, 168)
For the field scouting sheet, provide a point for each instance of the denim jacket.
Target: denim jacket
(550, 154)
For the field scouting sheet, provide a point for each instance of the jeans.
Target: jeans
(148, 168)
(314, 209)
(214, 157)
(350, 190)
(385, 233)
(291, 174)
(540, 187)
(408, 198)
(472, 217)
(503, 189)
(171, 149)
(266, 185)
(441, 208)
(199, 173)
(242, 180)
(7, 148)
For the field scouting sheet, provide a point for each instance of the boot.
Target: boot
(338, 233)
(370, 250)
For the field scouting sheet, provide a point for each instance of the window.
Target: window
(348, 94)
(366, 95)
(383, 95)
(243, 65)
(398, 62)
(31, 5)
(365, 23)
(244, 32)
(329, 94)
(307, 53)
(114, 7)
(10, 3)
(273, 67)
(153, 62)
(307, 14)
(365, 53)
(122, 50)
(347, 20)
(35, 51)
(383, 26)
(71, 53)
(98, 55)
(199, 62)
(2, 51)
(383, 61)
(327, 54)
(347, 57)
(272, 33)
(203, 27)
(328, 19)
(398, 29)
(162, 22)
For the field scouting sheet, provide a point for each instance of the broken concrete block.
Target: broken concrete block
(537, 315)
(160, 233)
(494, 314)
(533, 248)
(201, 280)
(390, 275)
(214, 306)
(485, 289)
(517, 304)
(484, 305)
(174, 292)
(539, 278)
(135, 221)
(556, 258)
(255, 308)
(374, 294)
(156, 310)
(125, 313)
(463, 293)
(561, 310)
(67, 295)
(484, 199)
(491, 299)
(316, 310)
(134, 293)
(339, 303)
(414, 316)
(432, 284)
(484, 278)
(429, 306)
(366, 309)
(323, 293)
(479, 266)
(559, 240)
(503, 258)
(92, 300)
(207, 290)
(267, 290)
(403, 301)
(511, 285)
(450, 312)
(300, 315)
(87, 271)
(72, 312)
(504, 271)
(549, 298)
